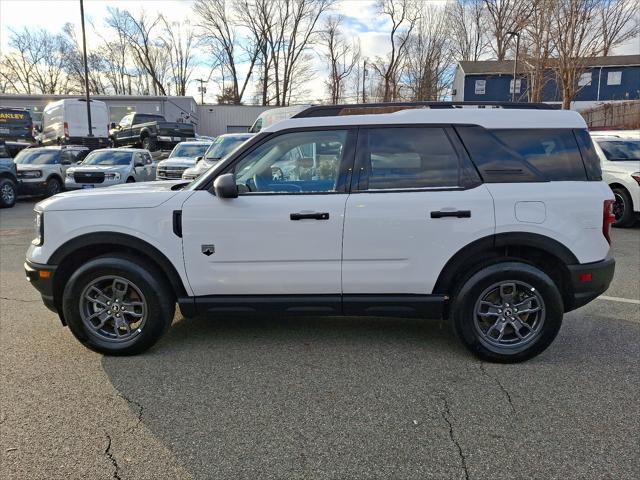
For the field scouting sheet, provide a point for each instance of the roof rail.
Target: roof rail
(390, 107)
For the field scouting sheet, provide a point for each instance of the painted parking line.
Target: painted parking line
(618, 299)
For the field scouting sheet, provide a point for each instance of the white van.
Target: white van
(275, 115)
(65, 122)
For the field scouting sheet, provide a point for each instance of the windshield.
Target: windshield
(107, 157)
(37, 157)
(189, 150)
(223, 146)
(621, 150)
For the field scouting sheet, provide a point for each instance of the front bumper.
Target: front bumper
(36, 187)
(41, 277)
(590, 280)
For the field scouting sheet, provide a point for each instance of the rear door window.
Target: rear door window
(407, 158)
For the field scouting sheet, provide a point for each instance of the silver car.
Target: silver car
(183, 156)
(112, 166)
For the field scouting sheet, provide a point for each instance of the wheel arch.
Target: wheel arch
(78, 250)
(543, 252)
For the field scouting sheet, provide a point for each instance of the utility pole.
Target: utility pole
(364, 78)
(202, 89)
(515, 64)
(86, 70)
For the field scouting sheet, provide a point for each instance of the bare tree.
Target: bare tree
(179, 41)
(74, 65)
(468, 37)
(537, 48)
(340, 56)
(619, 20)
(505, 16)
(145, 46)
(36, 62)
(576, 33)
(219, 30)
(404, 15)
(429, 56)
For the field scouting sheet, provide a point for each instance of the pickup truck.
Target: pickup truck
(151, 132)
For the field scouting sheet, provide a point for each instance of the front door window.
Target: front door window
(300, 162)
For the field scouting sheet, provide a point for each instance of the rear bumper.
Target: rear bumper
(590, 280)
(41, 277)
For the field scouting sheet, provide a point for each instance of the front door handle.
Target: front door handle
(309, 216)
(454, 213)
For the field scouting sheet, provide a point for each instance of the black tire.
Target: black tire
(149, 143)
(8, 193)
(131, 180)
(159, 303)
(54, 186)
(623, 208)
(466, 320)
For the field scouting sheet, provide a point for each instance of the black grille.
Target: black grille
(88, 177)
(170, 172)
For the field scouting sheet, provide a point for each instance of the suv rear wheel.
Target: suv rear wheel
(116, 306)
(8, 193)
(507, 312)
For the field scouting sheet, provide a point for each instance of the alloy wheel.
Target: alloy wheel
(509, 314)
(113, 309)
(8, 193)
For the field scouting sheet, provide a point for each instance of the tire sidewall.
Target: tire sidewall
(160, 304)
(469, 293)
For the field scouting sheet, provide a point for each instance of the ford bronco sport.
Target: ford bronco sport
(495, 219)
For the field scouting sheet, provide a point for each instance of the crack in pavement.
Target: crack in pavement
(497, 381)
(463, 460)
(18, 300)
(112, 459)
(140, 410)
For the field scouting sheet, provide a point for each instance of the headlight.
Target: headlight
(31, 173)
(69, 174)
(38, 226)
(636, 177)
(112, 176)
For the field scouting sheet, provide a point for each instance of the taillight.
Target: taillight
(66, 129)
(636, 177)
(608, 219)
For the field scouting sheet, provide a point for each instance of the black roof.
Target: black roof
(390, 107)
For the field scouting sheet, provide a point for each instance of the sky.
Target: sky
(360, 22)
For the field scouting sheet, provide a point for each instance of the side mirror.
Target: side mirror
(225, 186)
(198, 159)
(112, 125)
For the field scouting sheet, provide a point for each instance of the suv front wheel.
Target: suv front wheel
(507, 312)
(117, 306)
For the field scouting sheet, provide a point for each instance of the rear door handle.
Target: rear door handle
(454, 213)
(309, 216)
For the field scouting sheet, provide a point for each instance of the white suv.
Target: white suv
(620, 160)
(496, 219)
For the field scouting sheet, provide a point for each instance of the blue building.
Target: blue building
(606, 79)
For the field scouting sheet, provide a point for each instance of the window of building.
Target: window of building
(585, 79)
(614, 78)
(480, 87)
(518, 85)
(399, 158)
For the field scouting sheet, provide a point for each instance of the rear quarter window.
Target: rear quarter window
(554, 153)
(524, 155)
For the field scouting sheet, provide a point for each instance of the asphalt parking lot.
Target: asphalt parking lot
(316, 398)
